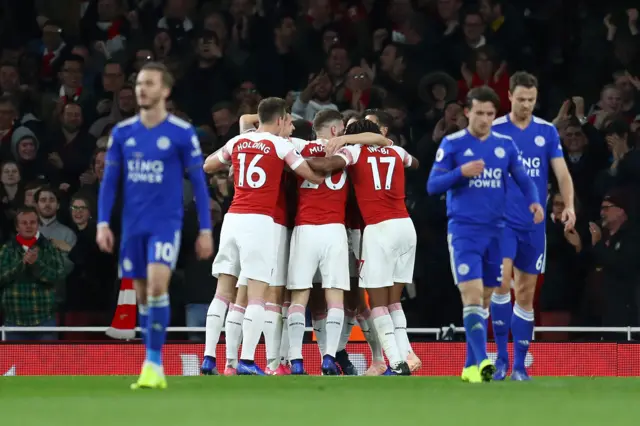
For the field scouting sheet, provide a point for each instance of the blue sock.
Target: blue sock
(501, 318)
(143, 316)
(522, 323)
(159, 313)
(471, 358)
(475, 330)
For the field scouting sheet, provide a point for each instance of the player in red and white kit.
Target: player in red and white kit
(247, 238)
(319, 243)
(389, 238)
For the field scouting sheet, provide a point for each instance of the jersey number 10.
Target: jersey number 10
(254, 175)
(373, 161)
(328, 182)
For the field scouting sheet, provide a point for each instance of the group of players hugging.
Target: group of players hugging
(351, 233)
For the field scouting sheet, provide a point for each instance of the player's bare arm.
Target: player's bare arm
(215, 162)
(248, 122)
(327, 165)
(565, 184)
(306, 172)
(334, 144)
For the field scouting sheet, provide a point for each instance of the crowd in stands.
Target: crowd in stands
(67, 75)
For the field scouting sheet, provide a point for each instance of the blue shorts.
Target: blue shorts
(138, 251)
(475, 257)
(526, 248)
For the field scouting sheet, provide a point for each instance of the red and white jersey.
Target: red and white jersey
(258, 160)
(325, 203)
(377, 174)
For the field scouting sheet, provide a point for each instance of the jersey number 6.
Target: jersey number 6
(327, 181)
(253, 175)
(391, 161)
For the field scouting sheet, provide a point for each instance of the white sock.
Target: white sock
(400, 328)
(215, 320)
(319, 324)
(284, 341)
(347, 326)
(296, 322)
(252, 328)
(233, 333)
(369, 331)
(386, 334)
(272, 333)
(333, 326)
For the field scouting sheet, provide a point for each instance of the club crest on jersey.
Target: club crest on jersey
(499, 152)
(439, 154)
(163, 143)
(539, 140)
(463, 269)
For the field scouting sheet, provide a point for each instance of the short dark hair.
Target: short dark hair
(362, 126)
(303, 130)
(324, 117)
(483, 94)
(45, 188)
(522, 79)
(72, 58)
(349, 114)
(384, 118)
(618, 126)
(270, 109)
(25, 210)
(33, 185)
(97, 152)
(167, 77)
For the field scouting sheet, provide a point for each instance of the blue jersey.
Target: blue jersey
(152, 162)
(538, 144)
(478, 202)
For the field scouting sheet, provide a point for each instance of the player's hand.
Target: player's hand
(104, 238)
(333, 145)
(568, 219)
(204, 245)
(538, 212)
(472, 168)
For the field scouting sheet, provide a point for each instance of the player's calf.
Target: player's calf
(225, 292)
(473, 316)
(379, 298)
(252, 326)
(273, 327)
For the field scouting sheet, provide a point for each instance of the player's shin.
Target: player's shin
(400, 329)
(284, 342)
(368, 330)
(143, 317)
(501, 320)
(347, 327)
(335, 319)
(272, 334)
(252, 327)
(296, 320)
(522, 323)
(233, 333)
(159, 315)
(473, 319)
(319, 324)
(386, 334)
(213, 325)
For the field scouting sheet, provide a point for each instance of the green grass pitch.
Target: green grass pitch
(322, 401)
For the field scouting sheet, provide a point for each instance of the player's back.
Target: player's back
(378, 178)
(258, 163)
(154, 164)
(325, 203)
(537, 144)
(479, 201)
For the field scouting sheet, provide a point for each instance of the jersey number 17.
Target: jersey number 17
(375, 171)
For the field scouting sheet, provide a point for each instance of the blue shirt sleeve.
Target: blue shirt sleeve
(109, 186)
(444, 174)
(192, 161)
(519, 174)
(554, 145)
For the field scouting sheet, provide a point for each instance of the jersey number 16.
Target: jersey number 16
(253, 176)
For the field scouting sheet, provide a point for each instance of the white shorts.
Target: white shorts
(322, 248)
(354, 236)
(282, 238)
(388, 253)
(246, 244)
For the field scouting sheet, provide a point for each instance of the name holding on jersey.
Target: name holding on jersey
(249, 144)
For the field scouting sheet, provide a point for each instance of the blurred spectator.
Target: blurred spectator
(317, 97)
(61, 236)
(30, 268)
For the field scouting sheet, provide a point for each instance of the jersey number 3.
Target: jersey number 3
(375, 171)
(253, 175)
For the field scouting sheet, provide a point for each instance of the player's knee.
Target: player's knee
(333, 296)
(300, 297)
(242, 298)
(471, 292)
(158, 276)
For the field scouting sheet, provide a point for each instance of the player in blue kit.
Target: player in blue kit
(152, 151)
(472, 167)
(523, 243)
